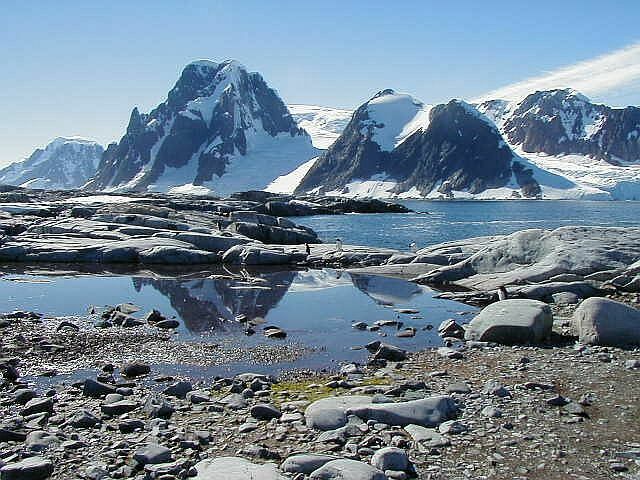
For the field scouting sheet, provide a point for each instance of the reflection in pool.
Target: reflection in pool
(315, 307)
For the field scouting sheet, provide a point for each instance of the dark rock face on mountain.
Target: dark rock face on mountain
(65, 163)
(458, 149)
(215, 113)
(461, 149)
(353, 155)
(563, 121)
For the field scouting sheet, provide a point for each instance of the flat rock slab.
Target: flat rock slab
(236, 468)
(517, 321)
(347, 470)
(601, 321)
(535, 255)
(32, 468)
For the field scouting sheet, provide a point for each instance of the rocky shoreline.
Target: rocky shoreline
(542, 383)
(470, 409)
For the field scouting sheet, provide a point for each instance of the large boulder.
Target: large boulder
(32, 468)
(511, 322)
(330, 413)
(601, 321)
(344, 469)
(428, 412)
(235, 468)
(305, 463)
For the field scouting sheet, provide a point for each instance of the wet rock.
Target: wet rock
(390, 352)
(450, 328)
(235, 468)
(32, 468)
(601, 321)
(154, 316)
(168, 324)
(305, 463)
(178, 389)
(517, 321)
(347, 469)
(135, 369)
(264, 411)
(274, 332)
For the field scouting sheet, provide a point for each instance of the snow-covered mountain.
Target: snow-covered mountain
(324, 124)
(396, 146)
(65, 163)
(592, 146)
(221, 128)
(553, 144)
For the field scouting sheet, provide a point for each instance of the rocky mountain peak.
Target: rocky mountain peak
(215, 114)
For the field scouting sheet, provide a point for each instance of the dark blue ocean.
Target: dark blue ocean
(438, 221)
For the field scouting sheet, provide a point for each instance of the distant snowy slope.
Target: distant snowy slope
(594, 146)
(324, 124)
(221, 129)
(65, 163)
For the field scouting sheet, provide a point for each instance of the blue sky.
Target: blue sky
(78, 67)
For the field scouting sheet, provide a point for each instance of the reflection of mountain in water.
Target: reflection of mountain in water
(213, 303)
(386, 290)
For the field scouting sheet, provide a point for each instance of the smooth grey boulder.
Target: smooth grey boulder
(344, 469)
(305, 463)
(392, 458)
(235, 468)
(428, 412)
(509, 322)
(118, 408)
(330, 413)
(32, 468)
(601, 321)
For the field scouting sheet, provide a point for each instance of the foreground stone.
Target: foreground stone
(517, 321)
(601, 321)
(427, 412)
(347, 470)
(236, 468)
(305, 463)
(32, 468)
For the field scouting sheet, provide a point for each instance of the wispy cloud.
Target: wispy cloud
(612, 78)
